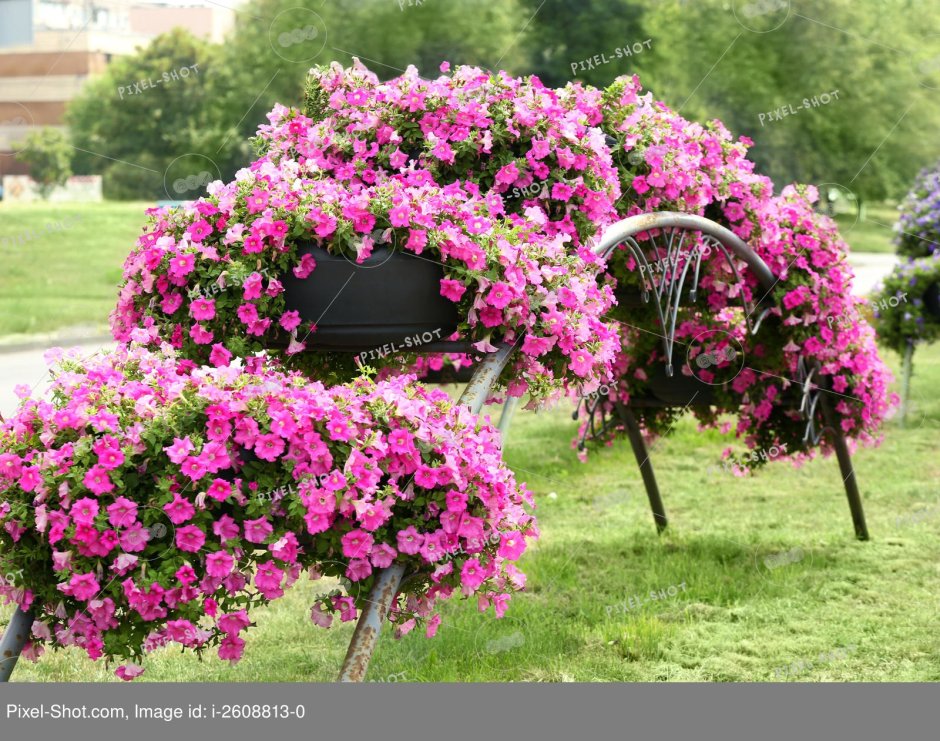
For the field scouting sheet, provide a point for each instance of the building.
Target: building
(50, 48)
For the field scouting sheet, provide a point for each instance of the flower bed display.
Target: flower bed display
(151, 502)
(917, 232)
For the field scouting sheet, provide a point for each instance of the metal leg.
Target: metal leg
(388, 580)
(906, 372)
(370, 624)
(646, 466)
(14, 638)
(848, 470)
(509, 410)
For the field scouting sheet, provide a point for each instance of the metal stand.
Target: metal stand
(383, 594)
(848, 470)
(14, 638)
(907, 370)
(505, 419)
(646, 466)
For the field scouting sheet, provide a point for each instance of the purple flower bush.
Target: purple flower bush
(917, 232)
(905, 307)
(152, 502)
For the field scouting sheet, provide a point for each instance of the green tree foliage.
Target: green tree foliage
(870, 139)
(149, 117)
(49, 156)
(275, 43)
(589, 41)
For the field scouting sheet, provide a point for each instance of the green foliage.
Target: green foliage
(871, 139)
(49, 156)
(264, 62)
(906, 307)
(146, 112)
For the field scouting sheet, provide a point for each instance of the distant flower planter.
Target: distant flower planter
(390, 299)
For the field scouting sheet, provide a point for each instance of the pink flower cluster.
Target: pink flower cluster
(138, 506)
(535, 152)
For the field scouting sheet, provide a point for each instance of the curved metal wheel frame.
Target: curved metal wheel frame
(668, 293)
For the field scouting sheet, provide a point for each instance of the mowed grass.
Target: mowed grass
(756, 579)
(874, 233)
(62, 263)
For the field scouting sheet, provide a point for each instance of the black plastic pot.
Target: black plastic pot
(932, 300)
(679, 390)
(391, 299)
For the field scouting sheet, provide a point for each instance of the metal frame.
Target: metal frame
(668, 294)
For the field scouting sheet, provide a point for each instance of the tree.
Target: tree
(592, 42)
(150, 126)
(276, 42)
(49, 156)
(769, 82)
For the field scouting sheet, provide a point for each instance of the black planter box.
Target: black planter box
(391, 299)
(932, 300)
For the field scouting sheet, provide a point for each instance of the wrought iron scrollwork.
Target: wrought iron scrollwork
(811, 393)
(666, 281)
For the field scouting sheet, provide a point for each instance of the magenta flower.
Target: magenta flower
(357, 544)
(180, 449)
(226, 528)
(202, 309)
(190, 538)
(269, 447)
(97, 481)
(472, 575)
(220, 490)
(258, 531)
(268, 580)
(82, 587)
(134, 539)
(410, 541)
(511, 547)
(30, 480)
(84, 511)
(233, 623)
(179, 510)
(219, 564)
(231, 648)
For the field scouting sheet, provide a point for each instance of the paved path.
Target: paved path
(869, 269)
(27, 366)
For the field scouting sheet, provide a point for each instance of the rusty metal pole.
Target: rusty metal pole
(383, 593)
(847, 469)
(14, 638)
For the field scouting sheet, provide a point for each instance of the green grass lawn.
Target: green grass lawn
(824, 607)
(62, 263)
(874, 234)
